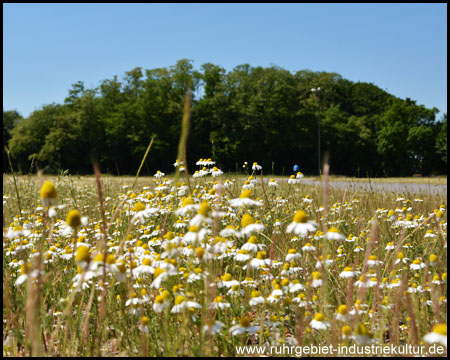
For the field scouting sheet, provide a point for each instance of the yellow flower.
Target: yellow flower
(245, 321)
(346, 330)
(73, 218)
(319, 317)
(199, 252)
(205, 209)
(83, 254)
(247, 220)
(300, 217)
(48, 194)
(139, 207)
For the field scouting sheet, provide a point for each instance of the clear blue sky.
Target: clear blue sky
(401, 48)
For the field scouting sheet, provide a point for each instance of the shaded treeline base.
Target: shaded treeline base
(259, 114)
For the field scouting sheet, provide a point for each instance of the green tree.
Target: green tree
(441, 139)
(10, 120)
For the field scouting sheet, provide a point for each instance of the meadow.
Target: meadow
(198, 265)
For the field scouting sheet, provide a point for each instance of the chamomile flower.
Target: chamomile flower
(182, 304)
(256, 298)
(179, 164)
(362, 336)
(292, 255)
(187, 205)
(260, 260)
(145, 268)
(141, 212)
(256, 167)
(162, 301)
(249, 226)
(292, 180)
(244, 200)
(347, 273)
(295, 286)
(372, 261)
(213, 328)
(438, 335)
(308, 247)
(317, 279)
(401, 258)
(202, 215)
(243, 327)
(48, 194)
(216, 172)
(227, 281)
(319, 322)
(219, 304)
(159, 174)
(242, 256)
(307, 199)
(300, 224)
(342, 313)
(252, 245)
(417, 264)
(160, 275)
(334, 234)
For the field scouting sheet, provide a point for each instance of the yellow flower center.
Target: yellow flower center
(199, 252)
(440, 329)
(253, 240)
(227, 277)
(48, 190)
(319, 317)
(300, 217)
(245, 321)
(146, 262)
(187, 201)
(194, 228)
(205, 209)
(73, 218)
(346, 330)
(83, 254)
(247, 220)
(158, 271)
(261, 255)
(139, 207)
(361, 329)
(179, 299)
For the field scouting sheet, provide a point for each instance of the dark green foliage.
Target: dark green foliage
(268, 115)
(10, 119)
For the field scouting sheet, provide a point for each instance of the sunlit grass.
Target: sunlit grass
(73, 310)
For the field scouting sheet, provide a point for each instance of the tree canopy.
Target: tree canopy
(268, 115)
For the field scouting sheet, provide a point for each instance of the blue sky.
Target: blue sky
(401, 48)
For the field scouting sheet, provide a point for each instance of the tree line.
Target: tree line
(263, 114)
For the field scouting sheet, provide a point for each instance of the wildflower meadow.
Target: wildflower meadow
(200, 264)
